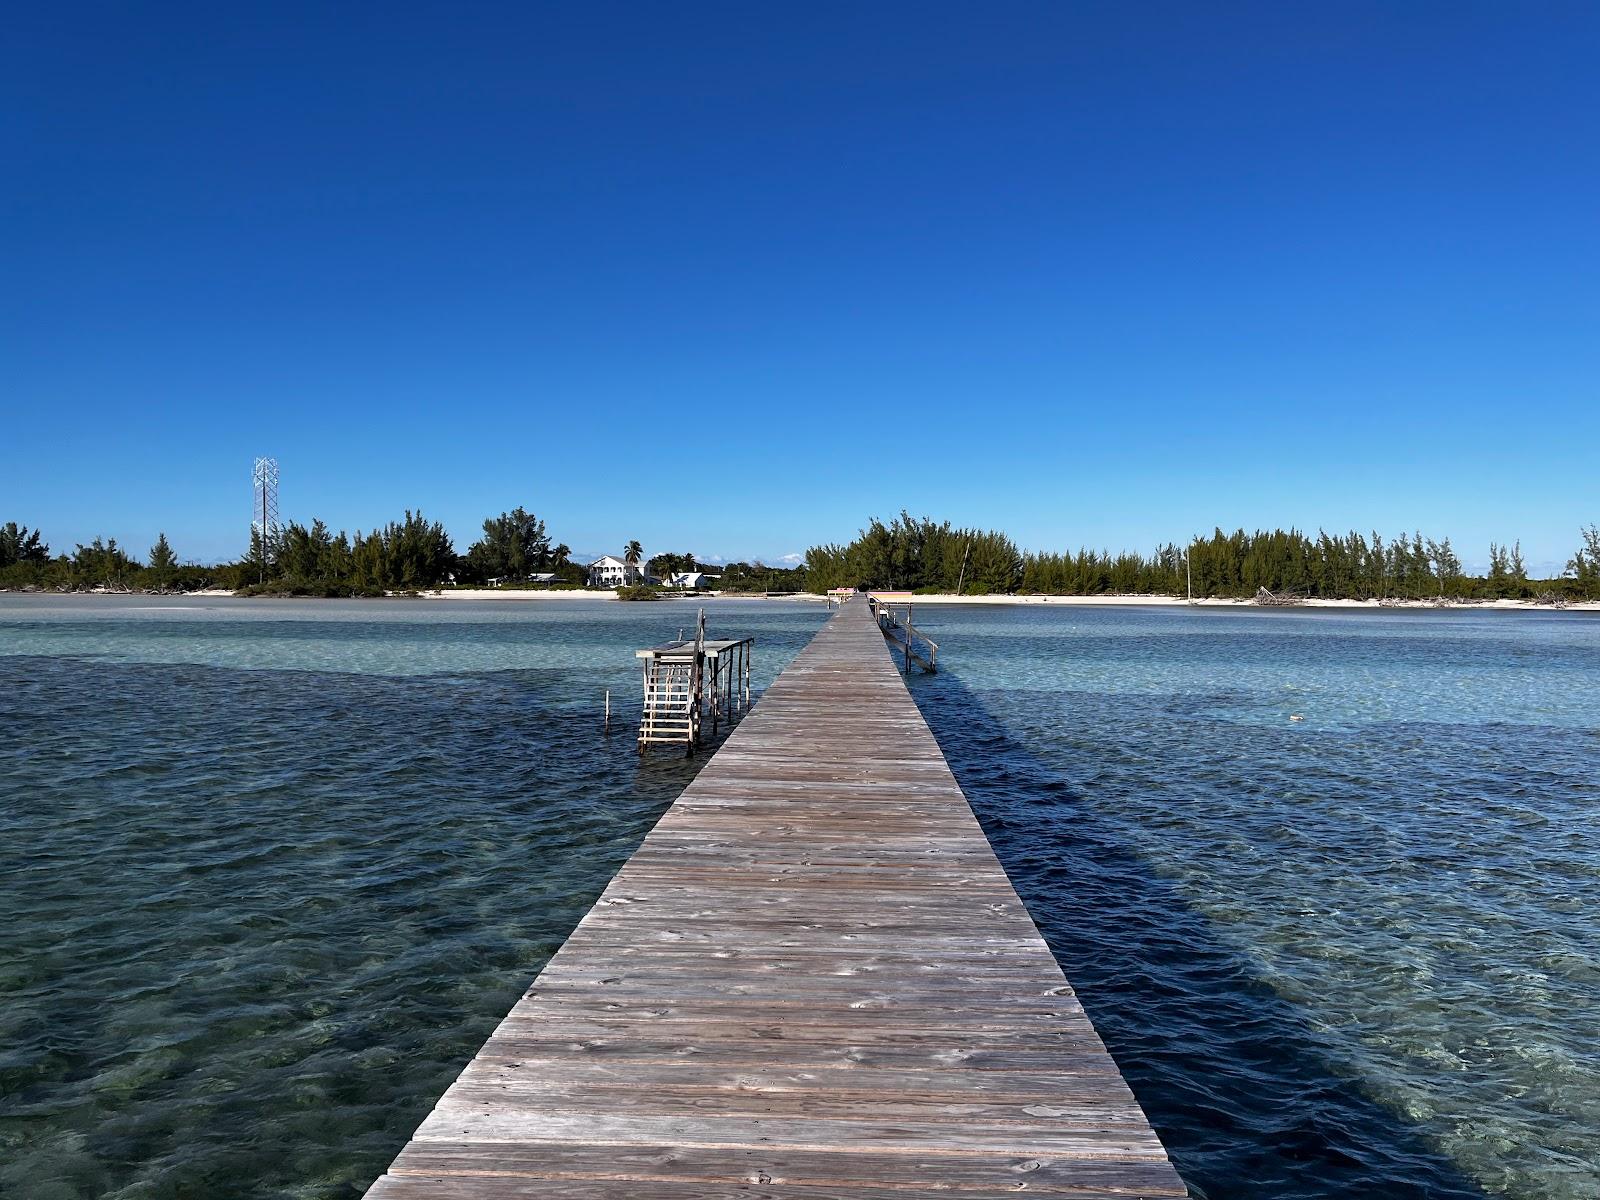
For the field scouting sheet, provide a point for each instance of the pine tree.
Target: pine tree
(1499, 578)
(1584, 566)
(19, 544)
(163, 562)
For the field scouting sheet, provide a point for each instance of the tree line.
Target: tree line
(26, 561)
(410, 554)
(914, 554)
(921, 555)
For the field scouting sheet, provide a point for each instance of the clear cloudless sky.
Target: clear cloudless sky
(730, 278)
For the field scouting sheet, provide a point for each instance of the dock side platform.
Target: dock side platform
(812, 980)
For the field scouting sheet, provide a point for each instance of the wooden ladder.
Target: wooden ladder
(671, 708)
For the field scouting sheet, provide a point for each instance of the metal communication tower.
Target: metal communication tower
(264, 511)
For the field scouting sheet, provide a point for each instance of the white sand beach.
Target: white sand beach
(943, 599)
(1222, 602)
(519, 594)
(1088, 601)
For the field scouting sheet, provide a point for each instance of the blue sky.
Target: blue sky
(731, 278)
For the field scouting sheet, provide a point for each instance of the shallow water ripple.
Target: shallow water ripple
(1352, 956)
(272, 872)
(257, 920)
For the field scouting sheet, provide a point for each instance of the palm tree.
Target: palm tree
(633, 553)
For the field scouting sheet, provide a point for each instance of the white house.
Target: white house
(609, 571)
(693, 580)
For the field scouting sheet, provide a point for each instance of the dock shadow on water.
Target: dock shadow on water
(1245, 1096)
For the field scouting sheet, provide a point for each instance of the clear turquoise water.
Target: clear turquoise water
(1356, 955)
(270, 872)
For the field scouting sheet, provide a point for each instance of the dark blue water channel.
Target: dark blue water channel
(270, 872)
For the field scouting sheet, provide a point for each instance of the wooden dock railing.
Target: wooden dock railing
(812, 980)
(894, 619)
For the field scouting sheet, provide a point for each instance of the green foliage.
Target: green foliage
(19, 544)
(911, 554)
(663, 566)
(758, 577)
(260, 562)
(514, 546)
(633, 553)
(163, 565)
(916, 553)
(638, 593)
(929, 558)
(404, 555)
(162, 558)
(569, 573)
(103, 564)
(1584, 568)
(313, 554)
(1507, 578)
(417, 553)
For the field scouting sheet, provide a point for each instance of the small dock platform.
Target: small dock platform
(689, 680)
(812, 980)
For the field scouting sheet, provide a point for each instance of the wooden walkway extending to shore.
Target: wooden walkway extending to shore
(813, 980)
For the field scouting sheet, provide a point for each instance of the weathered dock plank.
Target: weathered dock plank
(813, 979)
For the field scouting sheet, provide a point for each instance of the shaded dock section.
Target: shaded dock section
(812, 980)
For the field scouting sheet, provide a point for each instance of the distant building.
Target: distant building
(609, 571)
(547, 577)
(693, 580)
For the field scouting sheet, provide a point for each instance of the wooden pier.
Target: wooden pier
(812, 980)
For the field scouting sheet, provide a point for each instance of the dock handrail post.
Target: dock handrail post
(911, 633)
(715, 696)
(698, 683)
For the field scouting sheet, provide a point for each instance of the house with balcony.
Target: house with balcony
(609, 571)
